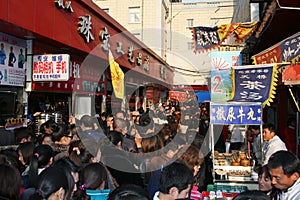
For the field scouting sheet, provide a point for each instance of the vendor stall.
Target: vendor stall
(234, 168)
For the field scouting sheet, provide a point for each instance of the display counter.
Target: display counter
(234, 169)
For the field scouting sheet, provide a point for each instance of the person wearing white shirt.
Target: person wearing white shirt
(284, 168)
(272, 143)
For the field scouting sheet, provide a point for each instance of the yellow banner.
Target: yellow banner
(117, 76)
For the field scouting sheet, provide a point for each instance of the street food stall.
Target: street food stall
(235, 168)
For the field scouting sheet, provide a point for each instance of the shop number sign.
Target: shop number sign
(51, 67)
(236, 113)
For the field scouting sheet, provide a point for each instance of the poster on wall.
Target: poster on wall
(12, 60)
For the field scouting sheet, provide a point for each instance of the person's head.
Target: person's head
(175, 181)
(255, 129)
(52, 183)
(42, 158)
(129, 192)
(86, 122)
(92, 177)
(43, 154)
(23, 134)
(120, 125)
(193, 158)
(264, 179)
(252, 195)
(284, 168)
(71, 170)
(10, 182)
(78, 153)
(25, 152)
(48, 127)
(152, 144)
(120, 115)
(62, 135)
(268, 131)
(116, 139)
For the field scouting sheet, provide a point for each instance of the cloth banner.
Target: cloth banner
(117, 76)
(287, 50)
(207, 38)
(254, 83)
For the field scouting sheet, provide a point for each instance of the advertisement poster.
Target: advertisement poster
(221, 82)
(12, 60)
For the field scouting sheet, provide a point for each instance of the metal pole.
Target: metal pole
(297, 134)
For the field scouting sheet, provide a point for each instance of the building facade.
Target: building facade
(65, 65)
(164, 26)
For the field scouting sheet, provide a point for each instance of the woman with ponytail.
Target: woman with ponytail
(52, 184)
(41, 159)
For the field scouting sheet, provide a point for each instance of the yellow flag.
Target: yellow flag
(117, 76)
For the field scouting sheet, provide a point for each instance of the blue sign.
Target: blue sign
(253, 84)
(236, 113)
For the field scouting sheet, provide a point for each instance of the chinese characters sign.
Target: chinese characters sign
(206, 38)
(254, 84)
(236, 113)
(51, 67)
(287, 50)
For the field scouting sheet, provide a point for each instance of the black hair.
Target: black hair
(115, 137)
(129, 192)
(61, 131)
(26, 149)
(270, 126)
(10, 182)
(252, 195)
(87, 121)
(91, 177)
(285, 160)
(50, 181)
(178, 175)
(42, 155)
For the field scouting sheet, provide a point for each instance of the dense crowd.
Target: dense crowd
(154, 154)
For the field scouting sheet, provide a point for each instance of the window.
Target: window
(190, 45)
(190, 22)
(134, 14)
(106, 10)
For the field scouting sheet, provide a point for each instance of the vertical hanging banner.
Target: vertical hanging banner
(221, 82)
(117, 76)
(254, 83)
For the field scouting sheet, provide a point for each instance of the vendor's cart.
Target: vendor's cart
(234, 169)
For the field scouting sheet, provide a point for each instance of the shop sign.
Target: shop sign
(85, 27)
(287, 50)
(254, 83)
(178, 95)
(51, 67)
(12, 60)
(236, 113)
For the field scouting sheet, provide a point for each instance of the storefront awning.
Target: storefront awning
(279, 22)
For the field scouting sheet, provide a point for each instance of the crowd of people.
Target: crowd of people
(153, 154)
